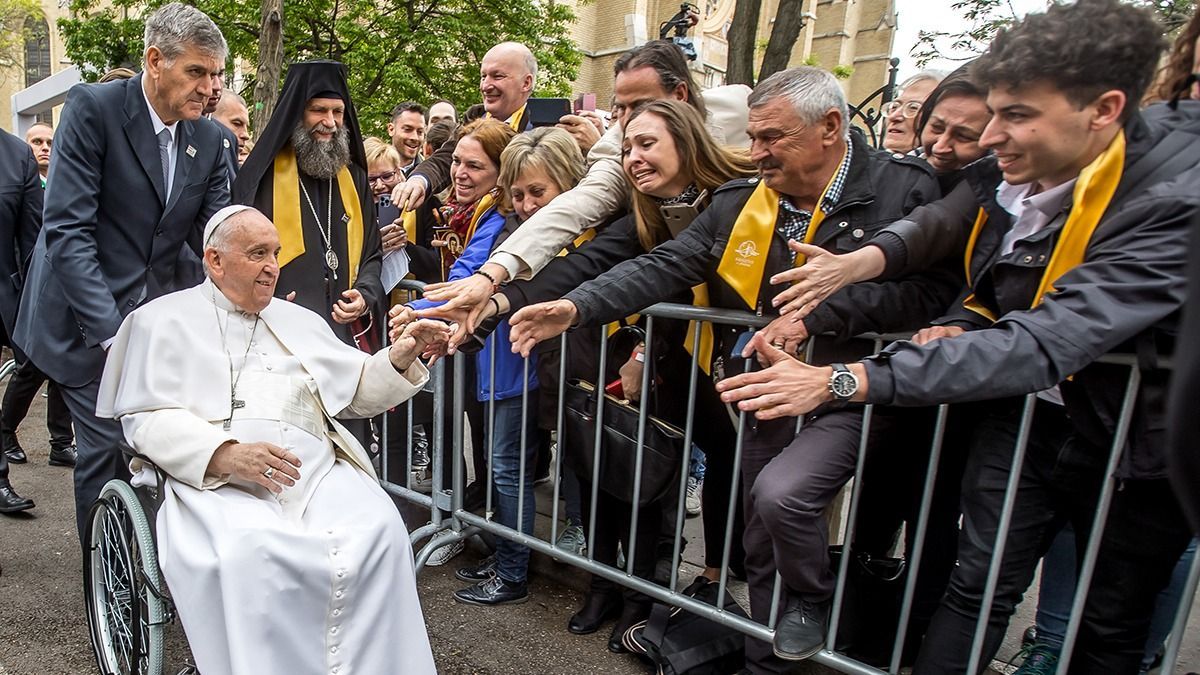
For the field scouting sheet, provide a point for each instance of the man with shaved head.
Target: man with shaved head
(507, 76)
(233, 114)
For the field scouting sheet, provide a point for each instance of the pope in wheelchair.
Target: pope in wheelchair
(280, 549)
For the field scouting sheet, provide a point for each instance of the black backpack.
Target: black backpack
(676, 641)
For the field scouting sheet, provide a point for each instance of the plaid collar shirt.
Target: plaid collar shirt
(793, 222)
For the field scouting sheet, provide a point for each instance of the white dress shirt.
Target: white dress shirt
(158, 125)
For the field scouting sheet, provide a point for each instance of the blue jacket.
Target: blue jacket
(510, 367)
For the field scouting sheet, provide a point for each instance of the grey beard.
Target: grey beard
(321, 160)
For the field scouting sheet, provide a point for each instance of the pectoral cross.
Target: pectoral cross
(234, 404)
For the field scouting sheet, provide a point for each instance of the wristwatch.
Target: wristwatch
(842, 383)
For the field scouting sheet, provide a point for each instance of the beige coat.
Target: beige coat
(604, 190)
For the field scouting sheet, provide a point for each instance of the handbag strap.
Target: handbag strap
(656, 625)
(650, 363)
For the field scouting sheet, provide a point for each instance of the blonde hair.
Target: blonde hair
(377, 149)
(710, 164)
(550, 149)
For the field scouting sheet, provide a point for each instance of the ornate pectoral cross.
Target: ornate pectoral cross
(234, 404)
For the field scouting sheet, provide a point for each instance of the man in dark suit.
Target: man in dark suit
(135, 176)
(20, 218)
(229, 141)
(25, 382)
(232, 114)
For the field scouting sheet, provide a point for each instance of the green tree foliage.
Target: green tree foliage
(395, 50)
(13, 30)
(984, 18)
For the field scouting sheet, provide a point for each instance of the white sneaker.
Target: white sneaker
(693, 496)
(444, 554)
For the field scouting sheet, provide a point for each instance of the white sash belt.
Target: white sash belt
(280, 398)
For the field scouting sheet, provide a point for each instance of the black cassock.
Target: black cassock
(317, 287)
(308, 275)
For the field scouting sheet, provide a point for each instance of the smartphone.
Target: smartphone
(614, 388)
(585, 102)
(679, 216)
(545, 112)
(387, 212)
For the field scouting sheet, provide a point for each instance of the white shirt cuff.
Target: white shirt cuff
(511, 263)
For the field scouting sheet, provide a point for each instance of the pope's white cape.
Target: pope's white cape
(265, 584)
(168, 354)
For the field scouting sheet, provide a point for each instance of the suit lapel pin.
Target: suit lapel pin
(226, 143)
(191, 150)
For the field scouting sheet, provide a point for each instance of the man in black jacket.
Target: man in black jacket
(819, 185)
(20, 220)
(1077, 249)
(119, 144)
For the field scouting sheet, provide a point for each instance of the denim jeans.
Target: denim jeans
(697, 465)
(512, 560)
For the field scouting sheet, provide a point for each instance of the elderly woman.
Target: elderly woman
(900, 133)
(535, 168)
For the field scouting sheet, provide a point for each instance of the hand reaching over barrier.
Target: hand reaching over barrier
(787, 387)
(539, 322)
(823, 274)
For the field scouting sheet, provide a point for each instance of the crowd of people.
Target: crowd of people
(212, 305)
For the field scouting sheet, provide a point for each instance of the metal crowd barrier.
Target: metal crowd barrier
(450, 522)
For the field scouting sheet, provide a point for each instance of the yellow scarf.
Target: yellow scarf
(485, 204)
(514, 120)
(286, 212)
(743, 264)
(409, 220)
(1090, 199)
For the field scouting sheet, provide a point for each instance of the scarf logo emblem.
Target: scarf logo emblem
(746, 251)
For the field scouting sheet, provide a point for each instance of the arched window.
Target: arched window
(37, 57)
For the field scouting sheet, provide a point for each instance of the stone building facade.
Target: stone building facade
(851, 33)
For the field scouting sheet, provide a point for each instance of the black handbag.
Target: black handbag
(662, 447)
(871, 607)
(679, 642)
(617, 455)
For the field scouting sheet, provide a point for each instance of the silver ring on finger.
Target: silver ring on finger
(269, 472)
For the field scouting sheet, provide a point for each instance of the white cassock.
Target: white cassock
(318, 579)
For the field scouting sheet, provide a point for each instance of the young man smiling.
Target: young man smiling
(1077, 250)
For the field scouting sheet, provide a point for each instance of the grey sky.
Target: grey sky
(936, 15)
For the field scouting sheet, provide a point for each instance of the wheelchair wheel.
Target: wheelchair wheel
(123, 586)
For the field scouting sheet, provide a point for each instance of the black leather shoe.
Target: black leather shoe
(482, 571)
(597, 608)
(10, 501)
(800, 632)
(494, 591)
(64, 456)
(15, 453)
(633, 612)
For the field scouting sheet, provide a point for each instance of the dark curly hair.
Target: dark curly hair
(1179, 62)
(1084, 50)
